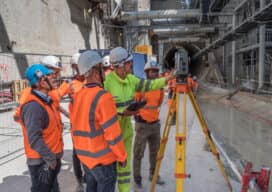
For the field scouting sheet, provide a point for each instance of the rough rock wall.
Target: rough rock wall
(31, 28)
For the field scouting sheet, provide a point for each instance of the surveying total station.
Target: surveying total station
(179, 99)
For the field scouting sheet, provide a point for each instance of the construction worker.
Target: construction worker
(76, 85)
(107, 65)
(53, 63)
(42, 130)
(95, 128)
(193, 83)
(147, 126)
(122, 85)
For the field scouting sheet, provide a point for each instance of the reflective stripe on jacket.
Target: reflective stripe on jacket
(150, 112)
(52, 134)
(95, 129)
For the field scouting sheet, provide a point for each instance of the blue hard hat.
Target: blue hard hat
(34, 72)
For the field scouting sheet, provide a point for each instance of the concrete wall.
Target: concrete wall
(39, 27)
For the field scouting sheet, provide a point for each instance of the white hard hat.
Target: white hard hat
(194, 77)
(119, 56)
(74, 59)
(151, 64)
(87, 60)
(106, 61)
(51, 61)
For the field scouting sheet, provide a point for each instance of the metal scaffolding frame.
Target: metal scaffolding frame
(263, 16)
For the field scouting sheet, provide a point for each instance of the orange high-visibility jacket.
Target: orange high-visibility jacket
(52, 135)
(150, 112)
(95, 128)
(24, 95)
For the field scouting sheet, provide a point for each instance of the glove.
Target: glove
(44, 174)
(135, 106)
(130, 113)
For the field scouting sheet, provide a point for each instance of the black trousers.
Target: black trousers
(44, 181)
(77, 167)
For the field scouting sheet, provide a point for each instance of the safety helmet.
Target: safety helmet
(51, 61)
(35, 72)
(87, 60)
(194, 77)
(151, 64)
(74, 59)
(106, 61)
(119, 55)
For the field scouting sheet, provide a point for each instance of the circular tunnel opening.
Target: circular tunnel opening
(194, 65)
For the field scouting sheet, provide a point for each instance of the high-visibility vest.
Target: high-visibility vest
(95, 129)
(150, 112)
(52, 134)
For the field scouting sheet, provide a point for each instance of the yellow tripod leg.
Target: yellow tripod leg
(180, 169)
(209, 139)
(164, 139)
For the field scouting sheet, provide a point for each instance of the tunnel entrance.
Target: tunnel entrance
(194, 66)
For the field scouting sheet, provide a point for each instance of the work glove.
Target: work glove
(45, 171)
(130, 113)
(44, 174)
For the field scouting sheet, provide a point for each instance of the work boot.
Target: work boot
(159, 180)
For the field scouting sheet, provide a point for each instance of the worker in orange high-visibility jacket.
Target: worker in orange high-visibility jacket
(192, 83)
(147, 126)
(76, 85)
(42, 130)
(53, 63)
(96, 132)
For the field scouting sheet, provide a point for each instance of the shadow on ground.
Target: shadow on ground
(22, 183)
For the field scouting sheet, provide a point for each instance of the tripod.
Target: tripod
(183, 90)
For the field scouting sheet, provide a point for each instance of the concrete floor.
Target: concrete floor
(14, 176)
